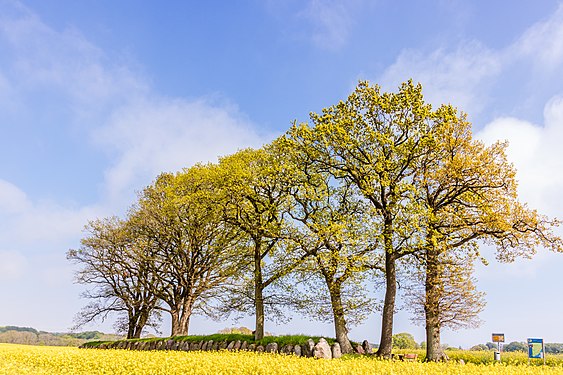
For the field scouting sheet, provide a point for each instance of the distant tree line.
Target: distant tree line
(31, 336)
(520, 346)
(376, 188)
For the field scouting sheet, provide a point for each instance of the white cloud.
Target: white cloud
(536, 153)
(331, 21)
(156, 135)
(447, 76)
(12, 265)
(543, 43)
(12, 199)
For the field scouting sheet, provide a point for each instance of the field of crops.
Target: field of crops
(19, 359)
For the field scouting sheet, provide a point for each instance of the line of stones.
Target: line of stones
(319, 350)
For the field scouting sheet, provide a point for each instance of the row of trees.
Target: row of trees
(376, 187)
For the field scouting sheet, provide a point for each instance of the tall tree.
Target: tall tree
(193, 251)
(333, 229)
(255, 199)
(374, 140)
(114, 263)
(469, 193)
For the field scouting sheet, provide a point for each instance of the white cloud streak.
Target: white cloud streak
(330, 21)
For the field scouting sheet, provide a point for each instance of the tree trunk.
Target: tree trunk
(339, 319)
(175, 320)
(258, 293)
(140, 322)
(433, 288)
(131, 324)
(184, 325)
(386, 341)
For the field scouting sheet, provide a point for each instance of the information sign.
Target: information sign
(498, 337)
(535, 348)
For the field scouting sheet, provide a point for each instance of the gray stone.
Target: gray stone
(336, 351)
(153, 345)
(231, 345)
(461, 362)
(215, 345)
(223, 345)
(307, 349)
(259, 349)
(359, 349)
(297, 350)
(194, 346)
(244, 345)
(322, 350)
(366, 346)
(271, 347)
(184, 345)
(169, 344)
(209, 345)
(287, 349)
(237, 345)
(252, 347)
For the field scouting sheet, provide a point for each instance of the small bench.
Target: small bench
(406, 357)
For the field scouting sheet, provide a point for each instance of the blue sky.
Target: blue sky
(98, 97)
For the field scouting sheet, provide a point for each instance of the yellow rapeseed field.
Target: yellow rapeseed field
(30, 360)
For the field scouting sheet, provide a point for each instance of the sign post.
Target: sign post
(536, 349)
(498, 338)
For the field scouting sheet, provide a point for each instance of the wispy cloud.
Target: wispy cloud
(155, 135)
(331, 21)
(448, 76)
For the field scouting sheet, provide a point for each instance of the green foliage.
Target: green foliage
(404, 341)
(18, 329)
(479, 347)
(516, 346)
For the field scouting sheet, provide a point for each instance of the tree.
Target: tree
(404, 341)
(479, 347)
(375, 141)
(332, 228)
(193, 251)
(468, 193)
(516, 346)
(115, 264)
(255, 199)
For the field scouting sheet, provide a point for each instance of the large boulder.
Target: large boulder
(359, 349)
(307, 349)
(287, 349)
(297, 350)
(322, 350)
(271, 347)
